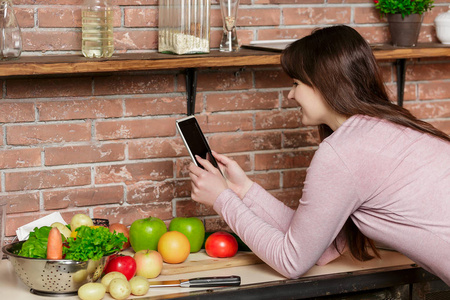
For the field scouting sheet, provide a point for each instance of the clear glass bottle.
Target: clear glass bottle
(11, 37)
(97, 29)
(229, 42)
(184, 26)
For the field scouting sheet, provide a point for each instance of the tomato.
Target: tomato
(221, 244)
(192, 228)
(121, 263)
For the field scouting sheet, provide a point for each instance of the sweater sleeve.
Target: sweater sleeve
(329, 197)
(267, 207)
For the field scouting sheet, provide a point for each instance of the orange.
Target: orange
(174, 247)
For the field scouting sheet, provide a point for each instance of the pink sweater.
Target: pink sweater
(394, 182)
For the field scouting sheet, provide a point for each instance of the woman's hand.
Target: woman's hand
(207, 184)
(237, 180)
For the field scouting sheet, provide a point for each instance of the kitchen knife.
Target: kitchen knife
(199, 282)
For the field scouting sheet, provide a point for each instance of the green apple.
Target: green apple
(145, 233)
(192, 228)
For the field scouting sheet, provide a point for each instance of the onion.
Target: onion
(118, 227)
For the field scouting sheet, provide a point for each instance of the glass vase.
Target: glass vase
(229, 42)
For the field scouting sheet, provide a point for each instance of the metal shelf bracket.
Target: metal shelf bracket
(191, 89)
(401, 70)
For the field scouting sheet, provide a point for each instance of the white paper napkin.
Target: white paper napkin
(24, 231)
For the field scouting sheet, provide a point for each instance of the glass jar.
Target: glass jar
(11, 36)
(184, 26)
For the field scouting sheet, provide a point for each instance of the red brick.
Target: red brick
(150, 192)
(48, 87)
(316, 15)
(133, 84)
(57, 17)
(79, 197)
(429, 110)
(25, 17)
(133, 2)
(222, 81)
(251, 100)
(289, 1)
(282, 33)
(226, 122)
(165, 105)
(44, 179)
(11, 112)
(410, 92)
(136, 128)
(428, 72)
(268, 181)
(190, 208)
(131, 173)
(293, 178)
(182, 166)
(434, 90)
(80, 109)
(258, 17)
(301, 138)
(21, 202)
(277, 119)
(128, 214)
(272, 79)
(136, 40)
(52, 40)
(48, 133)
(283, 160)
(20, 158)
(368, 15)
(52, 17)
(182, 188)
(157, 147)
(375, 34)
(247, 141)
(84, 154)
(141, 17)
(216, 224)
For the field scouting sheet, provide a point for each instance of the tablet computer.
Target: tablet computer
(195, 141)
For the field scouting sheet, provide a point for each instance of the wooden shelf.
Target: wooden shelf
(77, 64)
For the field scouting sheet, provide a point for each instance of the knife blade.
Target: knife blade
(199, 282)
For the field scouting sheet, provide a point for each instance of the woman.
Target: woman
(379, 173)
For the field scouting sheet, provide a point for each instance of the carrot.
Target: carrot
(54, 244)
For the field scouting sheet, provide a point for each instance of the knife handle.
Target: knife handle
(214, 281)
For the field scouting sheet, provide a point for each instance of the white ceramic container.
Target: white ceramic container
(442, 23)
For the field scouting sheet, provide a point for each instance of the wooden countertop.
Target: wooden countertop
(77, 64)
(13, 288)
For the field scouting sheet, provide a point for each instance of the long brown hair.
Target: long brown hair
(339, 63)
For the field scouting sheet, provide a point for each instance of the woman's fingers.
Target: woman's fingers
(206, 164)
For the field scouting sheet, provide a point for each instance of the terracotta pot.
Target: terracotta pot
(404, 31)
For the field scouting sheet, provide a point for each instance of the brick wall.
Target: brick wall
(106, 145)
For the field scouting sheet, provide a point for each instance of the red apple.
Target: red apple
(149, 263)
(118, 227)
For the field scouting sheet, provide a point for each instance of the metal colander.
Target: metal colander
(53, 277)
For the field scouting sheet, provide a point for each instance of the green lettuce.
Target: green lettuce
(36, 245)
(93, 243)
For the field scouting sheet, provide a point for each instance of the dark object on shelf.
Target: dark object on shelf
(101, 222)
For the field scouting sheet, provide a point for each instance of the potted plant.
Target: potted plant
(404, 18)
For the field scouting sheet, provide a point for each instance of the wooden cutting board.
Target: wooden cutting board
(200, 261)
